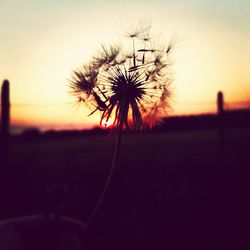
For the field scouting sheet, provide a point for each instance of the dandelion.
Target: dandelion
(131, 88)
(123, 90)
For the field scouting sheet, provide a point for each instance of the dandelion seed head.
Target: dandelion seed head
(131, 88)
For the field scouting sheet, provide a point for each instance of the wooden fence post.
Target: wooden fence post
(220, 103)
(221, 132)
(5, 122)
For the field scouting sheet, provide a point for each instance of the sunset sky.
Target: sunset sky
(41, 42)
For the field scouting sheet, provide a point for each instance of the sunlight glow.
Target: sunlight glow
(42, 42)
(106, 124)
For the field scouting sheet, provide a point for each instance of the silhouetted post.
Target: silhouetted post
(220, 110)
(5, 122)
(220, 103)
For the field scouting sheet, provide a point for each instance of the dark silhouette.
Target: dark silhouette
(5, 107)
(221, 133)
(130, 89)
(5, 123)
(220, 103)
(4, 147)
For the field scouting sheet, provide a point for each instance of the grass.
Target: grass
(102, 146)
(169, 190)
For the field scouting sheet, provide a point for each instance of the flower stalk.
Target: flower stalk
(109, 177)
(132, 88)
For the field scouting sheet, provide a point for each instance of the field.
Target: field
(179, 190)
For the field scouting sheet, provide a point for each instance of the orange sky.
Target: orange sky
(41, 43)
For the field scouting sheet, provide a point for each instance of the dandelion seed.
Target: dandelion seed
(133, 86)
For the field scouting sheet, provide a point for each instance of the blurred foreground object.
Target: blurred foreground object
(41, 233)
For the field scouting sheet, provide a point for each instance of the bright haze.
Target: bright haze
(41, 42)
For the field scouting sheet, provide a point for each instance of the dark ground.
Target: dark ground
(179, 190)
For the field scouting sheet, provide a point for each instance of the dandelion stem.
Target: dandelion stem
(133, 88)
(107, 183)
